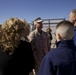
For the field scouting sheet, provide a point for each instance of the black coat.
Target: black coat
(21, 62)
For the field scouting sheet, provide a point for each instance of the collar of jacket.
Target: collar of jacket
(75, 28)
(68, 43)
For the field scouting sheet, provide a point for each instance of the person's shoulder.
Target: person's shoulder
(25, 45)
(25, 42)
(4, 55)
(32, 33)
(45, 33)
(51, 53)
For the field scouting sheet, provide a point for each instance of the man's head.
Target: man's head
(72, 16)
(38, 23)
(64, 31)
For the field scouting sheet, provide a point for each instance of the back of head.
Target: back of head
(65, 29)
(72, 16)
(12, 31)
(74, 11)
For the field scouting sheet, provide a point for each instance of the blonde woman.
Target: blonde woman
(15, 55)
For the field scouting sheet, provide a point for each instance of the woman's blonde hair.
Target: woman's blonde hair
(12, 31)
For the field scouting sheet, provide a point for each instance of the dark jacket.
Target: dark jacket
(60, 61)
(21, 62)
(57, 43)
(74, 38)
(50, 36)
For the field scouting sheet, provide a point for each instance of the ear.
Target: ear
(59, 38)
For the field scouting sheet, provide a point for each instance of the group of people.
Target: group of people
(21, 51)
(62, 60)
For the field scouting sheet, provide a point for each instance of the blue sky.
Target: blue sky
(31, 9)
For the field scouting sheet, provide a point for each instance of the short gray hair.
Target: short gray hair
(65, 29)
(74, 11)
